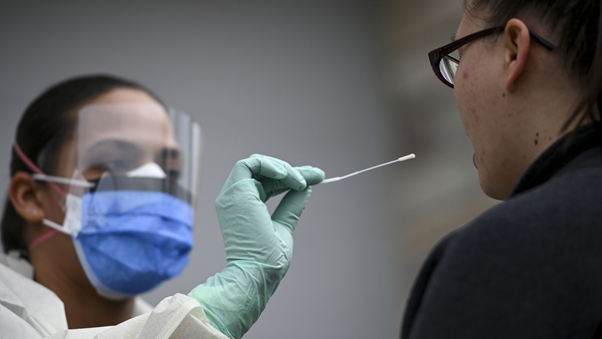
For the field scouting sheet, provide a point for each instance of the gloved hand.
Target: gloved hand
(258, 246)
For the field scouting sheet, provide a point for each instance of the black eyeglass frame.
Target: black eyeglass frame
(435, 56)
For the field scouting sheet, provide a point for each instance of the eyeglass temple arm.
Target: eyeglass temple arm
(545, 43)
(440, 52)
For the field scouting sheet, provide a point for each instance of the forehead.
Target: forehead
(125, 115)
(469, 24)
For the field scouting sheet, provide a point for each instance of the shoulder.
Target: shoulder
(33, 306)
(557, 224)
(538, 251)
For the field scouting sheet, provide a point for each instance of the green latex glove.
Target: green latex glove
(258, 246)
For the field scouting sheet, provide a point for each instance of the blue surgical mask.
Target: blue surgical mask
(132, 241)
(129, 241)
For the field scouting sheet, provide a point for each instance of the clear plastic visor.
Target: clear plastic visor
(135, 147)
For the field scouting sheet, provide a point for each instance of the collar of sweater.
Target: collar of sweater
(557, 156)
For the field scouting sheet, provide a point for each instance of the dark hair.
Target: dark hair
(575, 26)
(46, 124)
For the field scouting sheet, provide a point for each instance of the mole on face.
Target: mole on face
(503, 95)
(536, 139)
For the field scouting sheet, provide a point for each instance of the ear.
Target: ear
(24, 193)
(516, 51)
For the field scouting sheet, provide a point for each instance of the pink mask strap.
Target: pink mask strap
(35, 168)
(42, 239)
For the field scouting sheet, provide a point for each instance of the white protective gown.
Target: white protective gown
(30, 310)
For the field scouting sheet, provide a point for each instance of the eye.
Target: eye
(115, 165)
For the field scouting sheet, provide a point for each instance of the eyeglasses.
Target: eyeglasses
(445, 65)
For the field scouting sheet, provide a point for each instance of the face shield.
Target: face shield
(129, 202)
(136, 147)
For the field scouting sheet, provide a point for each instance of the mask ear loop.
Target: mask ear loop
(43, 238)
(35, 168)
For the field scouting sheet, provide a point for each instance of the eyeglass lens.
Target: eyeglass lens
(448, 67)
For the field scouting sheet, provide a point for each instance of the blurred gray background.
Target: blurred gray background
(338, 84)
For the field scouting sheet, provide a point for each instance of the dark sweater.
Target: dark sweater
(530, 267)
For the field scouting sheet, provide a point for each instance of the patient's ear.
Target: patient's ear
(517, 42)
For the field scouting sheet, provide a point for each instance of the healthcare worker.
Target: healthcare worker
(100, 209)
(527, 78)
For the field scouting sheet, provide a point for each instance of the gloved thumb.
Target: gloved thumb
(290, 208)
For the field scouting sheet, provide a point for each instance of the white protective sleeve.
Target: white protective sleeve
(175, 317)
(29, 310)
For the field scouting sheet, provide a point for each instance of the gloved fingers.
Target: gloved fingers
(253, 167)
(293, 180)
(273, 192)
(312, 176)
(260, 166)
(290, 208)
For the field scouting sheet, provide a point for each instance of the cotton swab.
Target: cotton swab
(402, 159)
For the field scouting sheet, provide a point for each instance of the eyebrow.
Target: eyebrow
(129, 147)
(453, 39)
(134, 150)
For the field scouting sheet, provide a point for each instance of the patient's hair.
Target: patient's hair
(574, 26)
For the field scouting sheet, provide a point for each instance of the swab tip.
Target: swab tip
(407, 157)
